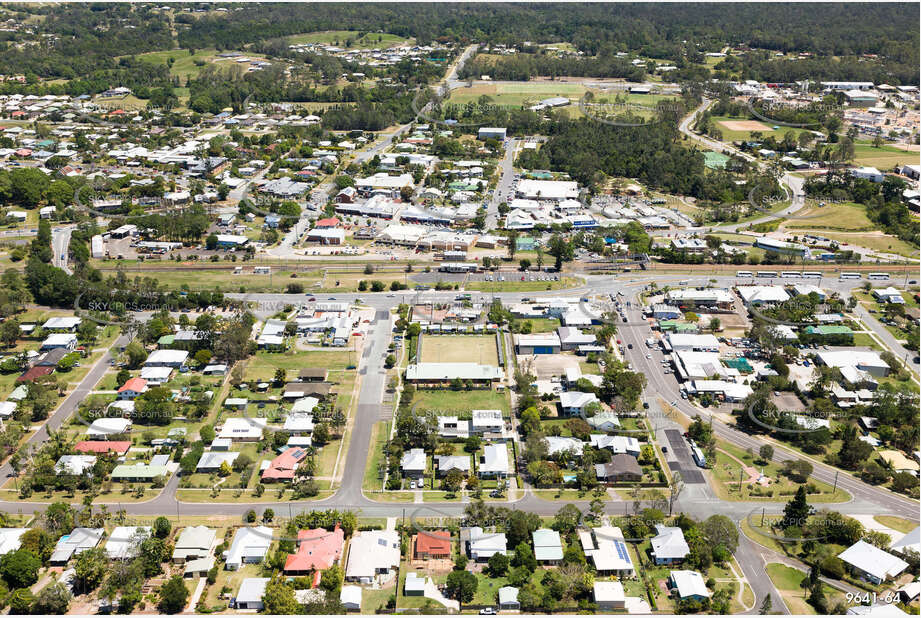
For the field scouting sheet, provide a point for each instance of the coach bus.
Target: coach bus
(812, 274)
(744, 274)
(878, 276)
(790, 274)
(849, 276)
(766, 274)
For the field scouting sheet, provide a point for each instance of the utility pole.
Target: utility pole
(836, 483)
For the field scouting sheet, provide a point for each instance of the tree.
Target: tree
(561, 249)
(54, 599)
(211, 242)
(9, 332)
(279, 598)
(766, 452)
(321, 434)
(524, 557)
(162, 527)
(173, 595)
(797, 510)
(90, 569)
(20, 568)
(461, 585)
(136, 354)
(20, 601)
(766, 606)
(453, 481)
(498, 565)
(720, 530)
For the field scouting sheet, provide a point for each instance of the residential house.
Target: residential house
(371, 553)
(480, 545)
(621, 469)
(574, 403)
(508, 598)
(132, 389)
(317, 550)
(125, 542)
(494, 461)
(79, 540)
(669, 546)
(284, 467)
(413, 463)
(688, 585)
(433, 544)
(872, 563)
(193, 542)
(548, 547)
(249, 546)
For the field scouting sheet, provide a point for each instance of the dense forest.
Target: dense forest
(94, 45)
(672, 32)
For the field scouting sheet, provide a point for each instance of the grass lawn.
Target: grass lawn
(725, 476)
(372, 600)
(375, 456)
(864, 339)
(787, 581)
(461, 403)
(875, 241)
(539, 325)
(882, 158)
(846, 217)
(460, 349)
(522, 286)
(183, 64)
(896, 523)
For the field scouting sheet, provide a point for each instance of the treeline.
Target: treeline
(667, 32)
(763, 67)
(76, 40)
(522, 67)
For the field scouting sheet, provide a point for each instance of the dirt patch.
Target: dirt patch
(548, 365)
(745, 125)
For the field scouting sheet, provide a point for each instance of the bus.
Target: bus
(878, 276)
(790, 274)
(744, 274)
(812, 274)
(262, 270)
(765, 274)
(849, 276)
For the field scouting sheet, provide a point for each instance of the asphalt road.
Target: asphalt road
(698, 500)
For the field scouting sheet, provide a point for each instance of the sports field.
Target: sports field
(460, 349)
(734, 129)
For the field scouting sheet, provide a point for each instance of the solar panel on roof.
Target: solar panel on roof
(622, 551)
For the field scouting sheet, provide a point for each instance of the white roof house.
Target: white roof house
(559, 444)
(59, 340)
(9, 539)
(249, 545)
(448, 371)
(372, 552)
(211, 460)
(875, 564)
(236, 428)
(865, 360)
(668, 545)
(689, 584)
(62, 323)
(482, 545)
(166, 358)
(75, 464)
(413, 461)
(494, 461)
(105, 427)
(125, 541)
(574, 402)
(911, 541)
(889, 295)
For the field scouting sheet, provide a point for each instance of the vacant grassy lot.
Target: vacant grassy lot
(882, 158)
(846, 217)
(787, 581)
(876, 241)
(349, 39)
(461, 403)
(896, 523)
(459, 349)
